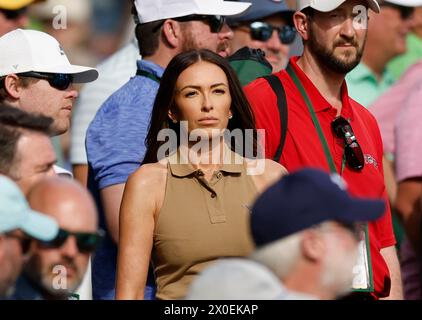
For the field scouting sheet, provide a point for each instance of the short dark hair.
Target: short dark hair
(13, 123)
(243, 117)
(308, 11)
(148, 36)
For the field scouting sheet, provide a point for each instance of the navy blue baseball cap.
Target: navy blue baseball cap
(306, 198)
(261, 9)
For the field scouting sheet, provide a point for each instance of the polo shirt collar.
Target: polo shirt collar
(319, 103)
(362, 73)
(180, 167)
(150, 67)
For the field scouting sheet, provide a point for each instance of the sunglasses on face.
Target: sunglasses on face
(60, 81)
(262, 31)
(85, 241)
(216, 23)
(352, 149)
(405, 12)
(14, 14)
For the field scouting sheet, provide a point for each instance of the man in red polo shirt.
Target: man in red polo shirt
(333, 34)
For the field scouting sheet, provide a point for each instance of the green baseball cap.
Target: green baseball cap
(15, 213)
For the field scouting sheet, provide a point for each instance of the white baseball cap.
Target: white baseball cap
(406, 3)
(153, 10)
(30, 50)
(330, 5)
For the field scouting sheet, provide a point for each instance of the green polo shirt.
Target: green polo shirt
(364, 87)
(414, 52)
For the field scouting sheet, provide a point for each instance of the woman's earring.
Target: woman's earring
(230, 116)
(174, 120)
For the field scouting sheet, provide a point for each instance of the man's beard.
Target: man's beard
(64, 287)
(190, 43)
(51, 282)
(327, 58)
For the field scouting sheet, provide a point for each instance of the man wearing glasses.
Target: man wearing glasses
(18, 225)
(13, 14)
(56, 267)
(37, 77)
(328, 130)
(266, 25)
(115, 140)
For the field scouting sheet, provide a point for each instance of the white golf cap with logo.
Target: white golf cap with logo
(154, 10)
(330, 5)
(31, 50)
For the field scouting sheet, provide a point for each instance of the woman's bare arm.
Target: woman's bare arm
(141, 202)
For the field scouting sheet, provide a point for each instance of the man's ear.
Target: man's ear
(13, 86)
(301, 22)
(312, 245)
(172, 33)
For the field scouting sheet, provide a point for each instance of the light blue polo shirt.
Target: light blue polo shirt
(115, 144)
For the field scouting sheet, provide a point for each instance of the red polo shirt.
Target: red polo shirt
(304, 149)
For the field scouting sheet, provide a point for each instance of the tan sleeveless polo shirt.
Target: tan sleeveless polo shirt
(200, 222)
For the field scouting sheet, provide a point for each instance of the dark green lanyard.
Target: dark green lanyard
(317, 126)
(148, 75)
(333, 169)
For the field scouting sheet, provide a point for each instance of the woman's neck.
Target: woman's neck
(206, 155)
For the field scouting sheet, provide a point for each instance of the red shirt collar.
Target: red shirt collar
(318, 101)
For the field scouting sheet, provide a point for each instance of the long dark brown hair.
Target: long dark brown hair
(242, 119)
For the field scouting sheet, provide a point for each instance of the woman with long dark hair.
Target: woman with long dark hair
(188, 203)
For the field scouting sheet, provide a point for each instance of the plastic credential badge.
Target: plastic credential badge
(363, 278)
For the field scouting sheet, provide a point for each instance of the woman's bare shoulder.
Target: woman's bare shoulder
(149, 175)
(265, 167)
(272, 167)
(264, 172)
